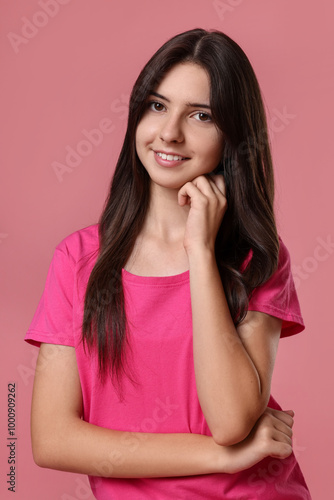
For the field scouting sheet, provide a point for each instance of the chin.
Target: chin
(172, 185)
(165, 184)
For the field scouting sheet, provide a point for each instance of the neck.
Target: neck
(165, 218)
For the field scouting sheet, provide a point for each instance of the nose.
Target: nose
(172, 130)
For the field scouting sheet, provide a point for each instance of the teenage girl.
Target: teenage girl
(158, 328)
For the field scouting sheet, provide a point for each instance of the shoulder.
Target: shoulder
(284, 260)
(80, 245)
(278, 296)
(283, 255)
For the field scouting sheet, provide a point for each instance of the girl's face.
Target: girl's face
(176, 139)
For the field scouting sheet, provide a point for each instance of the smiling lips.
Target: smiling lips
(169, 159)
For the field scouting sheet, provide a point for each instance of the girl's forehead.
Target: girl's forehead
(186, 80)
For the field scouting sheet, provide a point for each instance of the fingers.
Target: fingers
(209, 186)
(282, 437)
(283, 428)
(282, 434)
(275, 427)
(187, 192)
(217, 181)
(282, 450)
(284, 416)
(282, 425)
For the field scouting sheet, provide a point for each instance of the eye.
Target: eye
(203, 117)
(155, 106)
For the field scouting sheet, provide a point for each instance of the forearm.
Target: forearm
(81, 447)
(62, 440)
(88, 449)
(228, 384)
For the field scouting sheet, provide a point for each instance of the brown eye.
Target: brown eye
(156, 106)
(203, 117)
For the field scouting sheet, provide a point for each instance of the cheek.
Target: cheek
(145, 133)
(138, 137)
(140, 141)
(219, 146)
(213, 150)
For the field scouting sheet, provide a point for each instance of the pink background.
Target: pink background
(74, 72)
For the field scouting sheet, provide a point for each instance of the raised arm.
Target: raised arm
(62, 440)
(233, 367)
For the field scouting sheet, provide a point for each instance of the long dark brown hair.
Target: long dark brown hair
(248, 225)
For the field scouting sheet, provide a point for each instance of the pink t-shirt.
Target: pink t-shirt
(164, 398)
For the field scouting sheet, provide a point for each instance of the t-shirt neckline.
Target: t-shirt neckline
(156, 280)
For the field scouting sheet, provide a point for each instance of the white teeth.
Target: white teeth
(170, 157)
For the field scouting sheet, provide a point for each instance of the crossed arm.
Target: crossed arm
(62, 440)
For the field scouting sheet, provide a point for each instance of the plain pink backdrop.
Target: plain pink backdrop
(69, 66)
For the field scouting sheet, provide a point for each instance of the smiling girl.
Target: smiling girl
(158, 328)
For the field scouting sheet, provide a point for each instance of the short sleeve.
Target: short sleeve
(278, 296)
(53, 319)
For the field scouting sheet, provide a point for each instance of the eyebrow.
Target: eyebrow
(190, 104)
